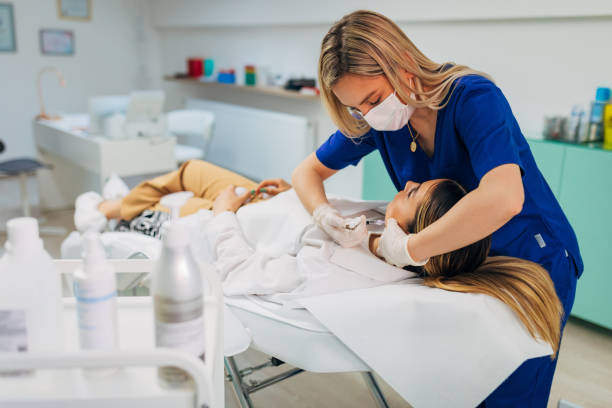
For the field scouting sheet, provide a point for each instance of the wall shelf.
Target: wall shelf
(274, 91)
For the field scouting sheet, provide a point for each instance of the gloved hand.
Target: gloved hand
(393, 246)
(346, 232)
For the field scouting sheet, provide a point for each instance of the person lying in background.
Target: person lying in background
(303, 266)
(140, 209)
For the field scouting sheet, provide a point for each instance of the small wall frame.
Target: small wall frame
(79, 10)
(8, 42)
(56, 42)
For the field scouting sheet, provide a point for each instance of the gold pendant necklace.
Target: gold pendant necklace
(413, 144)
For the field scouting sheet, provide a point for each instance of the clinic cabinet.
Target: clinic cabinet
(581, 179)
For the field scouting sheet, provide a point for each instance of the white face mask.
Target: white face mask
(390, 114)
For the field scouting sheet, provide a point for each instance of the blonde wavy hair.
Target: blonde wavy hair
(368, 43)
(523, 285)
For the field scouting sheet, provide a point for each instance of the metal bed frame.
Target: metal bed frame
(243, 390)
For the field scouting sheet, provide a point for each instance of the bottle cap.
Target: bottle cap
(176, 235)
(602, 94)
(22, 233)
(175, 201)
(93, 253)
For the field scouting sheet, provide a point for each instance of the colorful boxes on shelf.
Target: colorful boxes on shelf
(250, 77)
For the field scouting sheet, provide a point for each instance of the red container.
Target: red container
(195, 67)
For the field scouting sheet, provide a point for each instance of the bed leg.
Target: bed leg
(375, 390)
(236, 378)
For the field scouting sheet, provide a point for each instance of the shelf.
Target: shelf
(273, 91)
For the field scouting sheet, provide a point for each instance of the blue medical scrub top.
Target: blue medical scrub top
(475, 132)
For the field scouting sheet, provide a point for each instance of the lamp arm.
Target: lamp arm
(62, 81)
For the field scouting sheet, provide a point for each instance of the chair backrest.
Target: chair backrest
(192, 123)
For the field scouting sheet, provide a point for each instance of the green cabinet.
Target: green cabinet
(586, 198)
(581, 179)
(377, 184)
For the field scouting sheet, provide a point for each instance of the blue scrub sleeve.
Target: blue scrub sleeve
(488, 129)
(338, 151)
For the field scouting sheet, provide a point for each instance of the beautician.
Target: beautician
(427, 121)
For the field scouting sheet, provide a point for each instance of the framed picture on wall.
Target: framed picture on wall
(74, 9)
(8, 43)
(56, 42)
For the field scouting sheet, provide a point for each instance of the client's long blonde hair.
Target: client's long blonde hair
(368, 43)
(524, 286)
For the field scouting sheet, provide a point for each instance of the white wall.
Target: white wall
(198, 13)
(115, 53)
(544, 65)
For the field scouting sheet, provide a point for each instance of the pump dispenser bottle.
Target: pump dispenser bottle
(177, 293)
(95, 289)
(30, 293)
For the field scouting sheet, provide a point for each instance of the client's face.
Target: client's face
(405, 204)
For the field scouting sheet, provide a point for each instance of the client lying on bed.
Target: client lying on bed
(524, 286)
(308, 267)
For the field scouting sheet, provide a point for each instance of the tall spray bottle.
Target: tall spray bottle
(30, 293)
(177, 293)
(95, 290)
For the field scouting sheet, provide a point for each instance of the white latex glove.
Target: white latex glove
(87, 217)
(347, 232)
(393, 246)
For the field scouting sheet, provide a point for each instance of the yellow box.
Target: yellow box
(607, 125)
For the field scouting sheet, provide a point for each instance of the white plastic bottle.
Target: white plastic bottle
(95, 289)
(177, 295)
(30, 292)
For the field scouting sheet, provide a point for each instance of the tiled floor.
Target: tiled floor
(583, 377)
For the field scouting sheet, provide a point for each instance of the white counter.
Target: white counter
(82, 162)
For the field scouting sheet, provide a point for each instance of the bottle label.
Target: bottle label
(13, 331)
(13, 336)
(97, 321)
(180, 325)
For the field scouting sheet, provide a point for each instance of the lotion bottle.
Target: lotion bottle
(30, 293)
(95, 290)
(177, 294)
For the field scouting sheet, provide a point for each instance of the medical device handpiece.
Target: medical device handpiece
(95, 290)
(177, 293)
(375, 222)
(352, 223)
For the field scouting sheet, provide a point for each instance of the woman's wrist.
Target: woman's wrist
(373, 242)
(414, 249)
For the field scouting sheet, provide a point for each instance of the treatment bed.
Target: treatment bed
(414, 337)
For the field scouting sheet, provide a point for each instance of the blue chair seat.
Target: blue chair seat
(18, 166)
